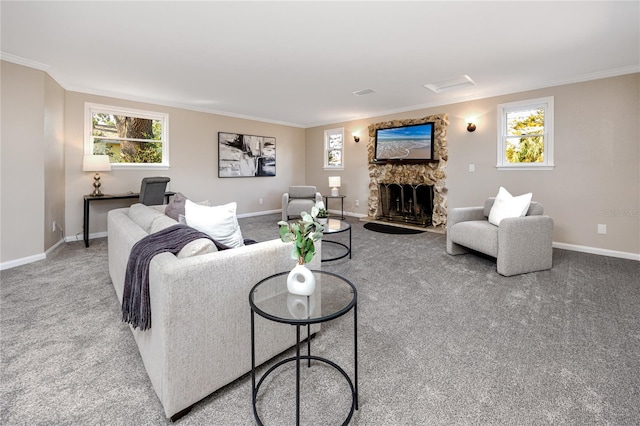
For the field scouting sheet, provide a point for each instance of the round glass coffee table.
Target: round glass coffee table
(335, 226)
(333, 297)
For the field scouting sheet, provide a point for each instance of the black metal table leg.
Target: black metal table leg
(86, 223)
(355, 352)
(297, 375)
(308, 339)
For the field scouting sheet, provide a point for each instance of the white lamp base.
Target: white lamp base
(334, 192)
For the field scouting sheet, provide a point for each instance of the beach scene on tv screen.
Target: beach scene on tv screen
(411, 142)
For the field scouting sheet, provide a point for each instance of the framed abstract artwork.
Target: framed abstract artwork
(246, 155)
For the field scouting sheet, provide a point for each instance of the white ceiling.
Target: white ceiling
(298, 63)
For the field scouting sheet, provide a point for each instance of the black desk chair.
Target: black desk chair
(153, 189)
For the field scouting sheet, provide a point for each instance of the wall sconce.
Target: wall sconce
(356, 137)
(471, 124)
(96, 163)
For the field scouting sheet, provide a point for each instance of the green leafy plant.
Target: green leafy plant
(303, 233)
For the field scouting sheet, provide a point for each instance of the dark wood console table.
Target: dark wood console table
(89, 198)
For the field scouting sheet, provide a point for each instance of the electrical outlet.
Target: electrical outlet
(260, 201)
(472, 168)
(356, 203)
(53, 226)
(602, 229)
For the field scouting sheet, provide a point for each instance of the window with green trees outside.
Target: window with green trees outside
(131, 138)
(525, 139)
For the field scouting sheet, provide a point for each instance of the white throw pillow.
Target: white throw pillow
(506, 205)
(219, 222)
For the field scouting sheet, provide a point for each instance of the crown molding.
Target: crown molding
(161, 102)
(23, 61)
(449, 101)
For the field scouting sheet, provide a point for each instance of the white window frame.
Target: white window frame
(90, 108)
(545, 103)
(327, 134)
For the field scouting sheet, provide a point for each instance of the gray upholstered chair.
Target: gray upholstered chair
(152, 190)
(520, 244)
(299, 199)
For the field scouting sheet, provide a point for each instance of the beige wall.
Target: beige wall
(354, 177)
(22, 162)
(32, 172)
(53, 162)
(193, 139)
(597, 155)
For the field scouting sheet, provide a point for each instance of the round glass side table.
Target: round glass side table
(335, 226)
(334, 296)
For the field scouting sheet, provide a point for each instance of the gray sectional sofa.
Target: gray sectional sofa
(199, 338)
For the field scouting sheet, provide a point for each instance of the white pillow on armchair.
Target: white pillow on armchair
(506, 205)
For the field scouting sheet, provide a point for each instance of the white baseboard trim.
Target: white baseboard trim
(22, 261)
(53, 247)
(29, 259)
(358, 215)
(598, 251)
(79, 237)
(262, 213)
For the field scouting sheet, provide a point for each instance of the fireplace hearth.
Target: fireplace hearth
(405, 203)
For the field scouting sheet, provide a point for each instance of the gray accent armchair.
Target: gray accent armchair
(520, 244)
(152, 190)
(299, 199)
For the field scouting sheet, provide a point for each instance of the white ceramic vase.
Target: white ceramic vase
(300, 307)
(301, 281)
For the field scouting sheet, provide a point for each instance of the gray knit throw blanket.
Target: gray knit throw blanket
(136, 303)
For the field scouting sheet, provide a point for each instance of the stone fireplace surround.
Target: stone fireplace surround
(425, 173)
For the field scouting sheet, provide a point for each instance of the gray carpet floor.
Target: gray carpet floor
(442, 340)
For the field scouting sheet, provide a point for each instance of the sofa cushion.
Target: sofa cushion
(160, 223)
(479, 235)
(506, 205)
(219, 222)
(143, 216)
(297, 206)
(196, 248)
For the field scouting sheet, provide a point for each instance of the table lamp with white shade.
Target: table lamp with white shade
(334, 183)
(96, 163)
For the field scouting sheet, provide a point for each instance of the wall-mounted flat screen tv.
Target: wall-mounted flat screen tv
(412, 144)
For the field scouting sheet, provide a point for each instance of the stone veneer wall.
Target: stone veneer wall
(426, 173)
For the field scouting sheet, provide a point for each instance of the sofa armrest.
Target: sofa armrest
(457, 215)
(463, 214)
(525, 244)
(285, 203)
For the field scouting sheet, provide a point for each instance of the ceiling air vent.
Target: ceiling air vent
(459, 82)
(363, 92)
